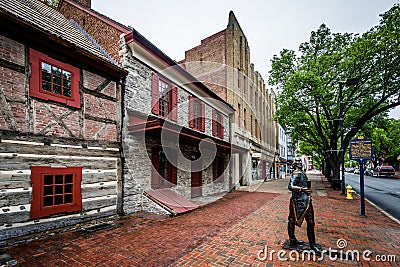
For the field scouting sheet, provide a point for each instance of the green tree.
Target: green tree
(385, 135)
(308, 84)
(53, 3)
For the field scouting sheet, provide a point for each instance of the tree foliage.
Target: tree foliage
(385, 134)
(307, 82)
(52, 3)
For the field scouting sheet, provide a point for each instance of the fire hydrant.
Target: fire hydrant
(349, 192)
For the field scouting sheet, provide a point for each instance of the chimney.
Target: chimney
(86, 3)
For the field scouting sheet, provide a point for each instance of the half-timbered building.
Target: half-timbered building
(60, 122)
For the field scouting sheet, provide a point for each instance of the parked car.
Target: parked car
(349, 169)
(369, 172)
(384, 171)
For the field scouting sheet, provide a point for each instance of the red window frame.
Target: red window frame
(36, 59)
(218, 169)
(218, 124)
(161, 168)
(55, 190)
(196, 114)
(158, 101)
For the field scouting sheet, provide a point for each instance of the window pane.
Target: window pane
(48, 190)
(68, 188)
(57, 89)
(46, 86)
(59, 189)
(59, 179)
(48, 179)
(66, 75)
(48, 201)
(68, 198)
(57, 80)
(46, 67)
(56, 71)
(59, 200)
(46, 76)
(68, 178)
(66, 92)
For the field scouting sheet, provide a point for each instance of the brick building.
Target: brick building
(176, 131)
(222, 62)
(60, 123)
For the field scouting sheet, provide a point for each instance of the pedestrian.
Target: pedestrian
(301, 208)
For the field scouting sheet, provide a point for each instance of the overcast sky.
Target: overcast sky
(175, 26)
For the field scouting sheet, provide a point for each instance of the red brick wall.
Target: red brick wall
(106, 35)
(12, 82)
(44, 118)
(12, 51)
(45, 113)
(87, 3)
(212, 49)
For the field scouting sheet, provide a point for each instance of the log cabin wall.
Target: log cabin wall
(38, 132)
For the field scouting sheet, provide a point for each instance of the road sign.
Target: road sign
(361, 149)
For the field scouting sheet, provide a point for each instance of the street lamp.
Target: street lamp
(348, 82)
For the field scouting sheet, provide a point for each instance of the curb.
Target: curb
(381, 210)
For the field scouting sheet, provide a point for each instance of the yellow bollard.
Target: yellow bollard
(349, 192)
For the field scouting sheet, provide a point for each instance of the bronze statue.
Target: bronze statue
(301, 208)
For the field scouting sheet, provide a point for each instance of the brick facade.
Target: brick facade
(106, 34)
(225, 56)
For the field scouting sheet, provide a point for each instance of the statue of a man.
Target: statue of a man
(301, 208)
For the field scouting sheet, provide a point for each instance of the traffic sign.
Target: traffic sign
(361, 149)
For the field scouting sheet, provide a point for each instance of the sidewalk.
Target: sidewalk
(229, 232)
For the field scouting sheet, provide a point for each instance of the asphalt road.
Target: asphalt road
(383, 192)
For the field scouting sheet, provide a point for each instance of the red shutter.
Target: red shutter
(191, 109)
(154, 169)
(174, 103)
(222, 126)
(154, 94)
(214, 122)
(203, 117)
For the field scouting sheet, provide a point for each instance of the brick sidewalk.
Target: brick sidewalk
(142, 239)
(228, 232)
(240, 244)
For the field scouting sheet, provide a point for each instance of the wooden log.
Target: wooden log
(14, 216)
(38, 138)
(14, 197)
(10, 161)
(20, 147)
(99, 190)
(12, 180)
(98, 202)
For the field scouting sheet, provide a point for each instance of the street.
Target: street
(383, 192)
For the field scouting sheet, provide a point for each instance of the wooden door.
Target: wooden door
(196, 178)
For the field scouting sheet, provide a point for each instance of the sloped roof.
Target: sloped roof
(47, 19)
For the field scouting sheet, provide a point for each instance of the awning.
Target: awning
(171, 201)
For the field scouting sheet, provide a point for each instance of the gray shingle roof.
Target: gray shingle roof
(44, 17)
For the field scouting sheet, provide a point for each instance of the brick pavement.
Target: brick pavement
(228, 232)
(240, 244)
(141, 239)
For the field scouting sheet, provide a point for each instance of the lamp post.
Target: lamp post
(348, 82)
